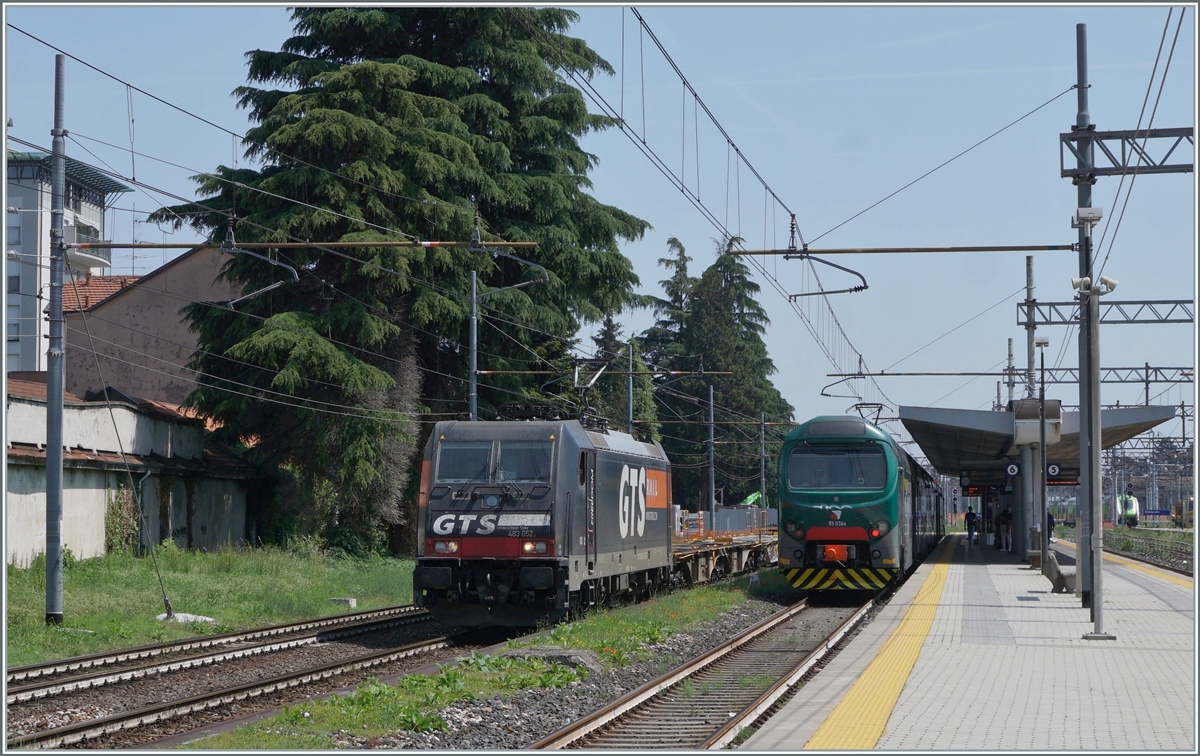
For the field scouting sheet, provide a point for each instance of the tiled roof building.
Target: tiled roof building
(84, 293)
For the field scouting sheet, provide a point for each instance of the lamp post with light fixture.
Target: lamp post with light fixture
(1041, 343)
(1090, 291)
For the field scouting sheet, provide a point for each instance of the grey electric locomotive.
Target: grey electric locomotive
(523, 521)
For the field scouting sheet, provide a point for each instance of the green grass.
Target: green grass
(756, 682)
(1183, 536)
(111, 602)
(617, 633)
(373, 710)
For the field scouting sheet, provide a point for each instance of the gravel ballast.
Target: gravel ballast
(518, 720)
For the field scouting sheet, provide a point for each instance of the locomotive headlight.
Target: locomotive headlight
(793, 529)
(533, 547)
(445, 547)
(881, 529)
(491, 500)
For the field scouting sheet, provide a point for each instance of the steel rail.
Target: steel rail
(32, 691)
(729, 731)
(104, 658)
(597, 719)
(73, 733)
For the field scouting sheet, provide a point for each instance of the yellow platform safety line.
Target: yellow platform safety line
(858, 721)
(1177, 579)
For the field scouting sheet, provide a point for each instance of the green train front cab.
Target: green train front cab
(841, 487)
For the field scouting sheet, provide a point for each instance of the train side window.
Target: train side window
(582, 468)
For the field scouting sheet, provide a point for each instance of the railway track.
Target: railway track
(54, 737)
(109, 696)
(174, 649)
(236, 646)
(706, 702)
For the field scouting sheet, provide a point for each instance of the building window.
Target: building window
(74, 199)
(14, 284)
(14, 331)
(14, 234)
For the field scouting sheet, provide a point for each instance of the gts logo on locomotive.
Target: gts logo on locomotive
(631, 506)
(510, 524)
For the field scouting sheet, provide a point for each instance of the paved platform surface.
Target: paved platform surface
(980, 655)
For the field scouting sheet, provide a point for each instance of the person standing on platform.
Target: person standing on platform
(1049, 527)
(970, 525)
(1006, 521)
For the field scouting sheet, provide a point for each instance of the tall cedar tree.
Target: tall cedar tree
(393, 123)
(715, 322)
(661, 342)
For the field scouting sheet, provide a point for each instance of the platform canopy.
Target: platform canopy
(978, 444)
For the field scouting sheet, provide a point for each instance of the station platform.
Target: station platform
(975, 653)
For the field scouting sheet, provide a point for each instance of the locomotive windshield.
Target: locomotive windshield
(524, 462)
(516, 462)
(464, 462)
(817, 468)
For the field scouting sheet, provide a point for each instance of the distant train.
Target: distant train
(1129, 507)
(855, 510)
(1184, 513)
(523, 521)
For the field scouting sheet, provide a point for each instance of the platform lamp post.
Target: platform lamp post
(1041, 342)
(1090, 290)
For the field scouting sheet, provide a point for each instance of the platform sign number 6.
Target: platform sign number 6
(1013, 470)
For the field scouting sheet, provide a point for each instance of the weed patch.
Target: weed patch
(375, 709)
(118, 597)
(617, 634)
(412, 704)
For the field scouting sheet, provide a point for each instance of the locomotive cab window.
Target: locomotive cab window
(464, 462)
(816, 468)
(524, 462)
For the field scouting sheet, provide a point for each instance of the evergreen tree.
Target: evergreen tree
(719, 326)
(609, 397)
(661, 342)
(392, 123)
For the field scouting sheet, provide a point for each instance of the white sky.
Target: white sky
(835, 107)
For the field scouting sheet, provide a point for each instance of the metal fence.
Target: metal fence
(1174, 554)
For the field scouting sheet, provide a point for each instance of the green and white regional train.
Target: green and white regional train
(856, 511)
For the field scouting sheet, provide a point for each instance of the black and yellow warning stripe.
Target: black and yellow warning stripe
(839, 578)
